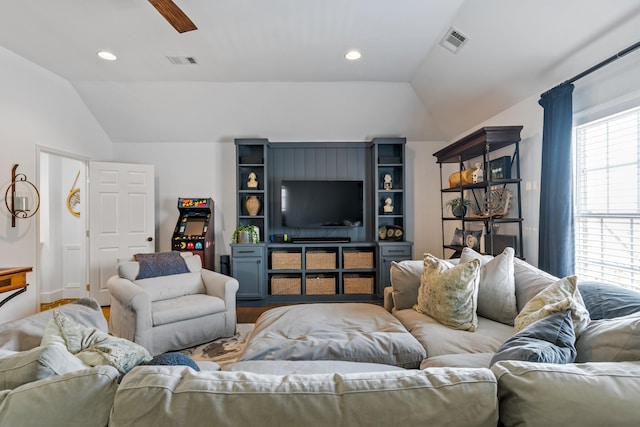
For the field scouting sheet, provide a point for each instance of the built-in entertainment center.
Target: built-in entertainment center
(330, 217)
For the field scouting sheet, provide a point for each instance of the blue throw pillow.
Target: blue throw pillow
(173, 359)
(160, 264)
(607, 301)
(548, 340)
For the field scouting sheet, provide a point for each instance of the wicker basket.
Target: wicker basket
(358, 285)
(320, 260)
(286, 260)
(319, 285)
(358, 259)
(284, 285)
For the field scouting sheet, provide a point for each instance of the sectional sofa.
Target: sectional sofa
(460, 384)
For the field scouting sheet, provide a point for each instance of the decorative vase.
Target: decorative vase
(253, 205)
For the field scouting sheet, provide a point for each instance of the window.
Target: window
(607, 209)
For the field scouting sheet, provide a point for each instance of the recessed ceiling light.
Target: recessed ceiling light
(107, 55)
(352, 55)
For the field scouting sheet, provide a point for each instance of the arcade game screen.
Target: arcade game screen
(194, 227)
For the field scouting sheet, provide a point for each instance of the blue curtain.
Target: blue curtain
(556, 246)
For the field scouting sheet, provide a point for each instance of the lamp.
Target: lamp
(19, 205)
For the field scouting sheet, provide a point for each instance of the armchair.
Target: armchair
(172, 312)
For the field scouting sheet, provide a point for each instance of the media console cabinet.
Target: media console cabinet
(329, 264)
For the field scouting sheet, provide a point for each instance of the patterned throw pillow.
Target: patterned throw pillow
(559, 296)
(160, 264)
(449, 293)
(497, 288)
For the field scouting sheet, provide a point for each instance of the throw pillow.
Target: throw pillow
(405, 280)
(160, 264)
(449, 293)
(497, 288)
(36, 364)
(548, 340)
(559, 296)
(606, 301)
(92, 346)
(173, 359)
(610, 340)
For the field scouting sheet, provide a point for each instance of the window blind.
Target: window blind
(607, 208)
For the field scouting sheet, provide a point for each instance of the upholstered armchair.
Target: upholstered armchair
(167, 301)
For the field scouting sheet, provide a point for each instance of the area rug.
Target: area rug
(223, 350)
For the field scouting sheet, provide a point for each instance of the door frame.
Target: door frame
(41, 149)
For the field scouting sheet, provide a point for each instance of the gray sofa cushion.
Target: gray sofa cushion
(180, 396)
(529, 281)
(288, 367)
(548, 340)
(575, 394)
(405, 280)
(606, 301)
(610, 340)
(353, 332)
(497, 289)
(439, 339)
(461, 360)
(80, 398)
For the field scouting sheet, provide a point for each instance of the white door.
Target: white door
(121, 219)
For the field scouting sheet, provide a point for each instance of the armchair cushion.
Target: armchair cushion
(174, 286)
(185, 307)
(160, 264)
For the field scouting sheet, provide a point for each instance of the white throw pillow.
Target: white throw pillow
(559, 296)
(449, 293)
(497, 288)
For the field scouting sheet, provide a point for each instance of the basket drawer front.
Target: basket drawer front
(357, 259)
(318, 285)
(284, 285)
(320, 260)
(358, 285)
(286, 260)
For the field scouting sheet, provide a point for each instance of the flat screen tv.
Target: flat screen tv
(314, 204)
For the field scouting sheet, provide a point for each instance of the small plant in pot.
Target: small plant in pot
(458, 206)
(245, 234)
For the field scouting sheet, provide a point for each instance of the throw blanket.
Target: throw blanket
(92, 346)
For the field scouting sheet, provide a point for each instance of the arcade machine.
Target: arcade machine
(194, 230)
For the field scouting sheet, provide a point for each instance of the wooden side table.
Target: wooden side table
(13, 279)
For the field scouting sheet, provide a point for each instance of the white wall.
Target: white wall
(37, 108)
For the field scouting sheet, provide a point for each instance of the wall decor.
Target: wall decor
(73, 198)
(21, 196)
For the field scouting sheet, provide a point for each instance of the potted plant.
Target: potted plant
(458, 206)
(246, 234)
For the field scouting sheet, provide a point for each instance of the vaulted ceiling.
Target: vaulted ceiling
(245, 48)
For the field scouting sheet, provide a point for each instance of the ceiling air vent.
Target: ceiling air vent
(182, 60)
(453, 40)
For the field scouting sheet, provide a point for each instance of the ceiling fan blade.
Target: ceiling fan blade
(174, 15)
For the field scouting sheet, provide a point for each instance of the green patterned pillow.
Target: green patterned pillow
(449, 293)
(559, 296)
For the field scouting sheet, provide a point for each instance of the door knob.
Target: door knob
(149, 239)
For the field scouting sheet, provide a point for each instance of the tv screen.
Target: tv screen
(312, 204)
